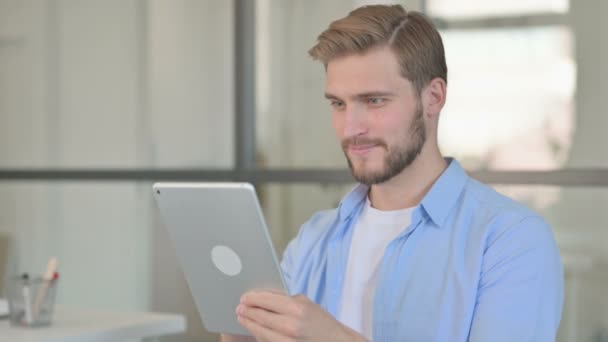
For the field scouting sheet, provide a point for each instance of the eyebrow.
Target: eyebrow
(364, 95)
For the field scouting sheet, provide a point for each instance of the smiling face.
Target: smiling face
(377, 114)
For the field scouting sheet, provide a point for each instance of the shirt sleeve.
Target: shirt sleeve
(521, 287)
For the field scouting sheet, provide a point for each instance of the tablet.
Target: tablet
(222, 244)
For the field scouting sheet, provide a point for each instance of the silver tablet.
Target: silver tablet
(222, 244)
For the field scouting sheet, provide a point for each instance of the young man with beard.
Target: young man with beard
(418, 251)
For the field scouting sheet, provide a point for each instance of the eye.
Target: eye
(337, 104)
(375, 101)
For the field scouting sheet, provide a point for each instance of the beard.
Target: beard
(398, 157)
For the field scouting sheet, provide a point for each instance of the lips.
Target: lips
(361, 149)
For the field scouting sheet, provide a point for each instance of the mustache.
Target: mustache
(362, 141)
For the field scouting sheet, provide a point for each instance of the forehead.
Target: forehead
(375, 70)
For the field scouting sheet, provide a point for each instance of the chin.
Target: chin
(367, 172)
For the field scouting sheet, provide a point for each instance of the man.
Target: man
(418, 251)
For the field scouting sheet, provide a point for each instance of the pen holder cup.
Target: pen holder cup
(31, 301)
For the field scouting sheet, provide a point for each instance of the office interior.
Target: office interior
(100, 98)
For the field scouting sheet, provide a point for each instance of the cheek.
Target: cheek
(338, 123)
(392, 128)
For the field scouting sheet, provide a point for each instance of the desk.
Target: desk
(82, 325)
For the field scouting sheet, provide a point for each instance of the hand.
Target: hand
(271, 316)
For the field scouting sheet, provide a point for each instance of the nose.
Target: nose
(355, 122)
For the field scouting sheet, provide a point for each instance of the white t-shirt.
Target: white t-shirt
(374, 230)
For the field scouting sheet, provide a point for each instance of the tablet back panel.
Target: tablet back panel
(223, 245)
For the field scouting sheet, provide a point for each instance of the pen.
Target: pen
(51, 269)
(27, 299)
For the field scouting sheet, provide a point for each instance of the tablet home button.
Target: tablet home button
(226, 260)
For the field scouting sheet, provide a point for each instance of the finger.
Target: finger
(275, 302)
(275, 291)
(260, 332)
(271, 320)
(270, 290)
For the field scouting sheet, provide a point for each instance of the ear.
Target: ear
(433, 97)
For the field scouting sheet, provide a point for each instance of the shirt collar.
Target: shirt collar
(444, 194)
(352, 201)
(437, 203)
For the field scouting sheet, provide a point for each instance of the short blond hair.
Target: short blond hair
(411, 36)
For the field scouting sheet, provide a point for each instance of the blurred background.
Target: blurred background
(99, 98)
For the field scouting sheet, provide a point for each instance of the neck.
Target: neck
(409, 187)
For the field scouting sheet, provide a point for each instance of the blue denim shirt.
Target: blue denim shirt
(473, 265)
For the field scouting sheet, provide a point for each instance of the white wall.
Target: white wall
(70, 99)
(582, 214)
(106, 84)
